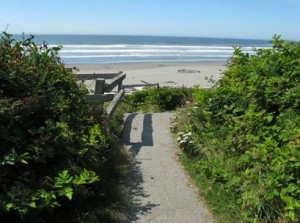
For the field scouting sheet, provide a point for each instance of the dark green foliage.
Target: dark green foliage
(51, 156)
(247, 131)
(165, 98)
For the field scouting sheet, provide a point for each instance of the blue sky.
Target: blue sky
(258, 19)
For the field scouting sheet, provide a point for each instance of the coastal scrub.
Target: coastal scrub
(52, 153)
(245, 135)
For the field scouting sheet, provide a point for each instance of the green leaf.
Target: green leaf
(32, 204)
(63, 179)
(269, 118)
(68, 192)
(8, 206)
(269, 196)
(86, 177)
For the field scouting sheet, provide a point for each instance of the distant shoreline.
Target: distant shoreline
(39, 35)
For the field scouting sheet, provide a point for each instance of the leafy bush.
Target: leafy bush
(51, 149)
(248, 132)
(165, 98)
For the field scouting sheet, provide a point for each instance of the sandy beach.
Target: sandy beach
(165, 73)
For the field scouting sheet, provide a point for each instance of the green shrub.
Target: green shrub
(165, 98)
(51, 152)
(247, 131)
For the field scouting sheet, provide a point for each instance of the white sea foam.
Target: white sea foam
(138, 55)
(143, 51)
(147, 51)
(89, 46)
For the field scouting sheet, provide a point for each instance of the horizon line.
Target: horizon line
(143, 35)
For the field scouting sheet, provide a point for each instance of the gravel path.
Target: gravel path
(159, 187)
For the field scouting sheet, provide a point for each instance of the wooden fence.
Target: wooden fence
(105, 83)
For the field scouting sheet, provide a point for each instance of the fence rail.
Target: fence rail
(114, 104)
(116, 81)
(99, 98)
(96, 76)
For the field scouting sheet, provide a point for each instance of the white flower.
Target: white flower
(180, 133)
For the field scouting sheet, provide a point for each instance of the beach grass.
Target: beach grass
(219, 200)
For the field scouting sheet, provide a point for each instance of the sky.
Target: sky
(248, 19)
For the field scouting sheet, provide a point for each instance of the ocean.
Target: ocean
(126, 49)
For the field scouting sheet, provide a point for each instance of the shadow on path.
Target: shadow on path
(146, 136)
(136, 180)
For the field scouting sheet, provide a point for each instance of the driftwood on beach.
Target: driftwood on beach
(145, 84)
(188, 71)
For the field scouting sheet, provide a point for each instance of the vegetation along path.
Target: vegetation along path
(160, 189)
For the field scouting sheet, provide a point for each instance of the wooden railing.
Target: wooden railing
(105, 83)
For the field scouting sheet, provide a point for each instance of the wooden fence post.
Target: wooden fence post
(99, 86)
(99, 89)
(120, 84)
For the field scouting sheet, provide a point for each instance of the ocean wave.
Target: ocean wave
(137, 46)
(146, 52)
(144, 56)
(89, 45)
(143, 51)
